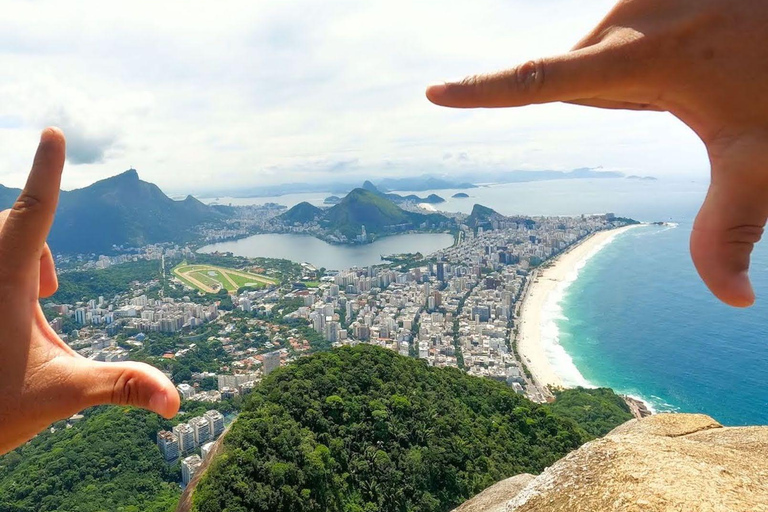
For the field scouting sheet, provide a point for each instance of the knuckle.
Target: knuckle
(748, 234)
(27, 202)
(125, 389)
(529, 77)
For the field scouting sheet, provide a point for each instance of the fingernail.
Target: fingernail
(158, 402)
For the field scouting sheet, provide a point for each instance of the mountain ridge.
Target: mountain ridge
(121, 210)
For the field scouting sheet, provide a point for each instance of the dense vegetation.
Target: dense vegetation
(81, 285)
(364, 429)
(301, 213)
(107, 462)
(378, 214)
(598, 411)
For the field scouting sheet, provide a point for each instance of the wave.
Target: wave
(552, 313)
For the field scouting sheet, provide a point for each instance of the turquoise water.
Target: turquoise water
(638, 319)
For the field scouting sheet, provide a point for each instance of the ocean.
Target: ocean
(636, 317)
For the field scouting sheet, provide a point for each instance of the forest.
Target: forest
(364, 429)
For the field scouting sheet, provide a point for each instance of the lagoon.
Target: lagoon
(304, 248)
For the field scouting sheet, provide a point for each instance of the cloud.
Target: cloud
(252, 93)
(84, 146)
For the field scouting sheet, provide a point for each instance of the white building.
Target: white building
(186, 391)
(271, 361)
(185, 436)
(189, 467)
(215, 423)
(205, 450)
(168, 444)
(201, 429)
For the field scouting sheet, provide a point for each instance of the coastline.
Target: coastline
(544, 358)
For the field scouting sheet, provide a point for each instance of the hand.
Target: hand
(706, 62)
(43, 380)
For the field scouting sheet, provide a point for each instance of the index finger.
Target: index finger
(23, 235)
(584, 73)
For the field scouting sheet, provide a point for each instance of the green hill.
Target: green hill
(301, 213)
(123, 211)
(364, 429)
(378, 214)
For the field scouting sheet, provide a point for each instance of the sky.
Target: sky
(218, 96)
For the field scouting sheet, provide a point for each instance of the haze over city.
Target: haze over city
(205, 98)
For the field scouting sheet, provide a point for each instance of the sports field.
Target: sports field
(211, 279)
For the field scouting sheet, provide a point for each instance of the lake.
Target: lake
(304, 248)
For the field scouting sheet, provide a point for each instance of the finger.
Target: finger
(573, 76)
(617, 105)
(129, 383)
(30, 219)
(728, 226)
(49, 283)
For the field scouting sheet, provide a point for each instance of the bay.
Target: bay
(303, 248)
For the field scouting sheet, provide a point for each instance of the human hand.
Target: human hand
(42, 379)
(704, 61)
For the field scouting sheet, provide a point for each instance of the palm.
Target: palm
(42, 379)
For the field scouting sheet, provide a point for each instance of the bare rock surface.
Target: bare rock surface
(663, 463)
(494, 498)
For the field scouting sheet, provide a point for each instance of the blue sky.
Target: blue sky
(199, 95)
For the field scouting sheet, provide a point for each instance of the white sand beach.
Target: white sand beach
(538, 357)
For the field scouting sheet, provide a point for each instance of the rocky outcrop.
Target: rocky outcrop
(666, 462)
(494, 498)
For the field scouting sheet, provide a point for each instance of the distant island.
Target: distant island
(460, 195)
(332, 200)
(423, 182)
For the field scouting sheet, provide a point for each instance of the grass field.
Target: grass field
(211, 279)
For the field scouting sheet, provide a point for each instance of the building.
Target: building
(271, 362)
(186, 391)
(215, 423)
(441, 271)
(189, 467)
(185, 436)
(168, 444)
(201, 429)
(205, 450)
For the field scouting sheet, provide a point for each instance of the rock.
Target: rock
(494, 498)
(666, 462)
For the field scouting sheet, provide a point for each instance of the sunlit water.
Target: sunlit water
(636, 318)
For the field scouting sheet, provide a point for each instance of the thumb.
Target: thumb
(726, 229)
(129, 383)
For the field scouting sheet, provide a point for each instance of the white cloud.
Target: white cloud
(202, 95)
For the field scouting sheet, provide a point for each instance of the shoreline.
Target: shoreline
(538, 354)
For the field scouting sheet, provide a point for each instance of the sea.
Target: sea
(635, 316)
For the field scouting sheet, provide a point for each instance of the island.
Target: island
(460, 195)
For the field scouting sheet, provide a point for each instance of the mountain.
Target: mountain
(364, 428)
(482, 217)
(378, 214)
(397, 198)
(301, 213)
(122, 211)
(423, 182)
